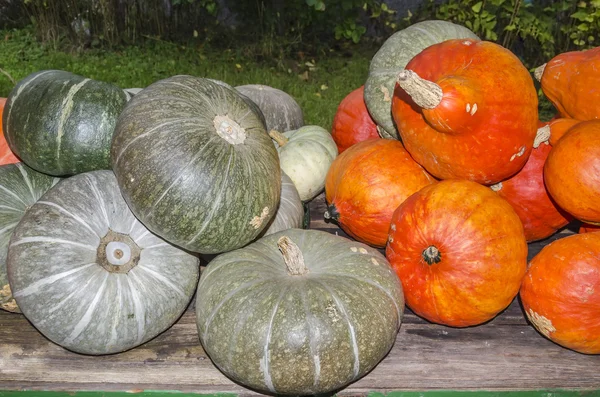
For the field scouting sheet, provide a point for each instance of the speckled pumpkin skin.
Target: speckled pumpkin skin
(186, 182)
(284, 334)
(393, 56)
(60, 123)
(58, 281)
(20, 187)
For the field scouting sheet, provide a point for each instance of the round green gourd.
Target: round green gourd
(393, 56)
(196, 165)
(282, 112)
(89, 275)
(60, 123)
(306, 155)
(20, 188)
(290, 212)
(298, 312)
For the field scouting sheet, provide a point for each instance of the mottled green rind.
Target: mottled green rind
(72, 300)
(20, 187)
(282, 112)
(267, 329)
(290, 211)
(185, 182)
(393, 56)
(81, 141)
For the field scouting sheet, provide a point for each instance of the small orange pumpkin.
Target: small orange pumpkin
(467, 109)
(352, 122)
(6, 155)
(572, 171)
(559, 127)
(460, 252)
(561, 292)
(366, 183)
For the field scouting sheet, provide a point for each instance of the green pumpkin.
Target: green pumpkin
(298, 312)
(196, 165)
(282, 112)
(290, 212)
(393, 56)
(89, 276)
(20, 188)
(60, 123)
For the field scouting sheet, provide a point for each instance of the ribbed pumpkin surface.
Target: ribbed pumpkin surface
(72, 293)
(299, 334)
(60, 123)
(20, 187)
(195, 164)
(290, 211)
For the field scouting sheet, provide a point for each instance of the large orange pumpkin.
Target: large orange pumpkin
(6, 155)
(527, 194)
(572, 171)
(561, 292)
(570, 81)
(352, 122)
(459, 251)
(467, 109)
(366, 183)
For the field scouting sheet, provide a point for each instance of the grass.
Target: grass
(317, 85)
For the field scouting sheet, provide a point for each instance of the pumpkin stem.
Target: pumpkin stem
(292, 256)
(331, 213)
(539, 71)
(424, 93)
(542, 136)
(278, 137)
(432, 255)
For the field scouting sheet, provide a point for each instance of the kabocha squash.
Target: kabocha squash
(281, 111)
(366, 183)
(60, 123)
(527, 193)
(569, 81)
(298, 312)
(89, 275)
(306, 155)
(6, 155)
(352, 122)
(221, 184)
(572, 172)
(460, 252)
(20, 187)
(393, 56)
(561, 292)
(290, 211)
(461, 117)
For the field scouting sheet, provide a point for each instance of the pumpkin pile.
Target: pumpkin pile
(438, 172)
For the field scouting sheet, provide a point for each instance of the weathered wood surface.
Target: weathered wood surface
(504, 354)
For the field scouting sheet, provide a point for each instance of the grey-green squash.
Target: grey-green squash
(20, 188)
(60, 123)
(306, 155)
(282, 112)
(89, 276)
(196, 165)
(290, 211)
(393, 56)
(298, 312)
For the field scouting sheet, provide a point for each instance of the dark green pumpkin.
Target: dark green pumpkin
(20, 188)
(298, 312)
(196, 165)
(393, 56)
(60, 123)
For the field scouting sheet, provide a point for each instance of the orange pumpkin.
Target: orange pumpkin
(572, 172)
(527, 194)
(352, 122)
(587, 228)
(559, 127)
(467, 109)
(459, 251)
(6, 155)
(561, 292)
(366, 183)
(570, 81)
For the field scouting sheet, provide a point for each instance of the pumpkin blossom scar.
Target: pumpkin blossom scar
(543, 324)
(259, 219)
